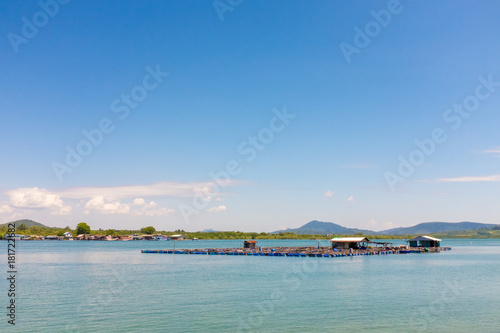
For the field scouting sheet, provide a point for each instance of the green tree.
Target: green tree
(82, 228)
(110, 232)
(148, 230)
(22, 227)
(35, 230)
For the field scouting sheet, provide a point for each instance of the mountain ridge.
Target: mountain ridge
(320, 227)
(433, 227)
(29, 223)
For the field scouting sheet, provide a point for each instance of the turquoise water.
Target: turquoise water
(112, 287)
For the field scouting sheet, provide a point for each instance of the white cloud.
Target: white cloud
(161, 189)
(37, 198)
(495, 150)
(106, 206)
(158, 212)
(372, 223)
(216, 209)
(492, 178)
(148, 209)
(139, 202)
(351, 198)
(34, 198)
(5, 209)
(65, 210)
(110, 199)
(328, 194)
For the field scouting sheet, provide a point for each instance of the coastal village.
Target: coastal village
(89, 237)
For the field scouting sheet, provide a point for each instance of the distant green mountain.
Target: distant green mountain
(323, 228)
(436, 227)
(28, 223)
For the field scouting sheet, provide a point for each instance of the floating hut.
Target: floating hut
(424, 241)
(349, 242)
(249, 244)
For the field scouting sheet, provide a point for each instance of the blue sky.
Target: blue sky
(305, 110)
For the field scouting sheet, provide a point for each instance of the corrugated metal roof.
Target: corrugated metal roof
(349, 239)
(424, 238)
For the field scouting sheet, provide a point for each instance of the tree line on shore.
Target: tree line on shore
(84, 228)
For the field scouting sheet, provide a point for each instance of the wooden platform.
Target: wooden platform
(311, 251)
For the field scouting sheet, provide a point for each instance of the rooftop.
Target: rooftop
(424, 238)
(349, 239)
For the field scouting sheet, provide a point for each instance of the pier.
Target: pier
(309, 251)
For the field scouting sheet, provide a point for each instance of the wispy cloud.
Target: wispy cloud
(351, 198)
(357, 166)
(494, 150)
(216, 209)
(492, 178)
(166, 189)
(373, 224)
(328, 194)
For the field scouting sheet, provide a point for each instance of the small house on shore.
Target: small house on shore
(177, 237)
(15, 237)
(349, 242)
(424, 241)
(249, 244)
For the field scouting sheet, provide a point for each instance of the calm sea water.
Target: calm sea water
(112, 287)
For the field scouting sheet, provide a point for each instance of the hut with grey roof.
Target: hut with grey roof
(424, 241)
